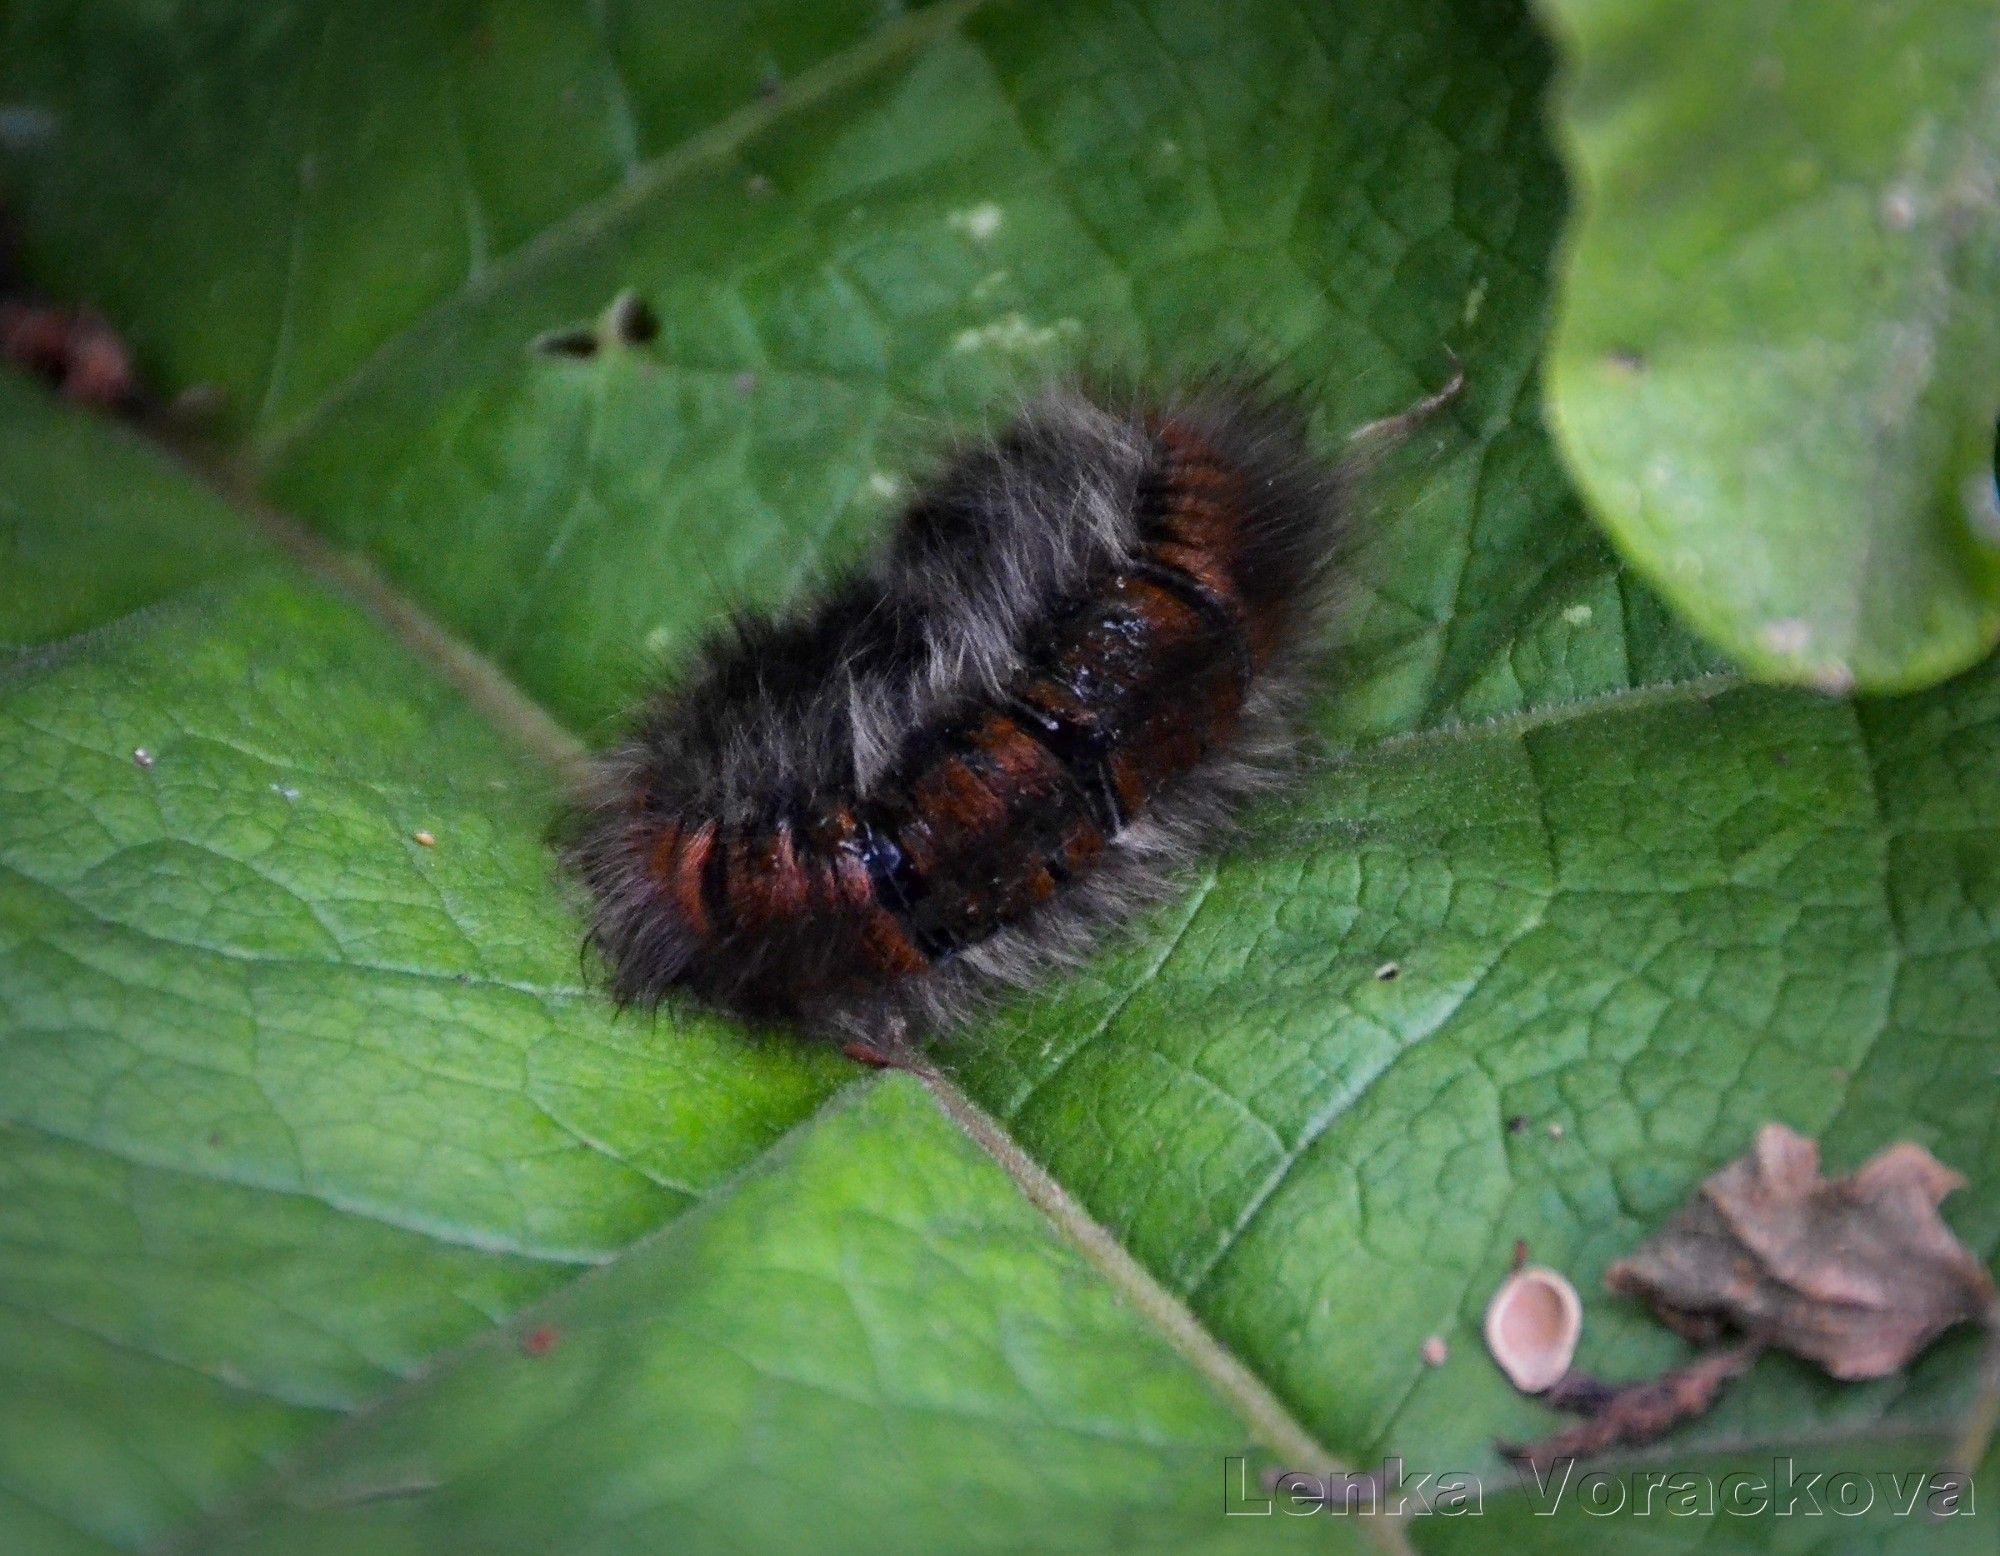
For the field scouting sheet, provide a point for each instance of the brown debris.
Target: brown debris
(1581, 1393)
(74, 350)
(1615, 1413)
(879, 1056)
(1856, 1274)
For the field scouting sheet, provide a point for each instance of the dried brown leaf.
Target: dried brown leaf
(1857, 1274)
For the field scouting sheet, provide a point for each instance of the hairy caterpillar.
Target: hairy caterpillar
(1082, 649)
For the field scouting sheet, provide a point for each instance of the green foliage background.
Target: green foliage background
(1778, 365)
(338, 1213)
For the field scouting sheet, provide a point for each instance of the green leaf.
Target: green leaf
(845, 1337)
(917, 227)
(1630, 902)
(293, 1102)
(288, 1099)
(276, 192)
(1640, 926)
(1777, 366)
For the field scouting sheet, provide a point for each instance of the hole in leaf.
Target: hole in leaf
(632, 322)
(567, 343)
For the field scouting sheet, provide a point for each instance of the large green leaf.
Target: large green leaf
(1624, 894)
(852, 1336)
(291, 1103)
(930, 220)
(1777, 367)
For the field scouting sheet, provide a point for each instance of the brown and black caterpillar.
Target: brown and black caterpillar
(1083, 648)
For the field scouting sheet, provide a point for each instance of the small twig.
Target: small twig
(1581, 1393)
(1391, 430)
(1637, 1412)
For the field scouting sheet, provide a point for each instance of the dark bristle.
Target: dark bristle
(1080, 651)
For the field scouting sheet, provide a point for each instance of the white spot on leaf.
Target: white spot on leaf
(1012, 332)
(1789, 637)
(978, 222)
